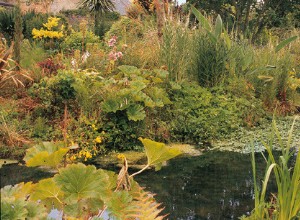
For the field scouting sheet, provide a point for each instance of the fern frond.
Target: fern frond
(144, 206)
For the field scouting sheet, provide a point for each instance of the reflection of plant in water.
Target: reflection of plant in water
(83, 192)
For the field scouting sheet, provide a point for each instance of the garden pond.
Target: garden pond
(214, 185)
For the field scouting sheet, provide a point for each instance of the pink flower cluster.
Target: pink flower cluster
(112, 41)
(115, 55)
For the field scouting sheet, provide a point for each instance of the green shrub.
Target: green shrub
(106, 22)
(7, 24)
(54, 93)
(33, 20)
(198, 114)
(126, 29)
(77, 41)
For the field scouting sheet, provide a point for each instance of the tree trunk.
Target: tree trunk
(17, 35)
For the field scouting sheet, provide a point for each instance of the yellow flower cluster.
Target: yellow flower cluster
(98, 140)
(52, 22)
(82, 154)
(46, 34)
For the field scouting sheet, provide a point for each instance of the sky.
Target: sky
(181, 1)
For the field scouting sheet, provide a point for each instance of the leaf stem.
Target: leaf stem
(140, 171)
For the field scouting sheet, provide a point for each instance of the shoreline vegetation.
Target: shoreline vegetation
(83, 84)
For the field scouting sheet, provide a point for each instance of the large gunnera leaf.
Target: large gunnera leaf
(49, 193)
(157, 153)
(136, 112)
(16, 203)
(78, 181)
(45, 154)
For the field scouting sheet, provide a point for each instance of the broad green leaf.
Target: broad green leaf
(35, 211)
(24, 189)
(19, 191)
(227, 39)
(218, 27)
(285, 42)
(157, 80)
(129, 70)
(157, 153)
(48, 192)
(45, 154)
(9, 191)
(78, 181)
(202, 20)
(110, 105)
(13, 209)
(159, 96)
(84, 208)
(136, 112)
(138, 85)
(212, 37)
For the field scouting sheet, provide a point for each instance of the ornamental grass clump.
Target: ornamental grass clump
(285, 203)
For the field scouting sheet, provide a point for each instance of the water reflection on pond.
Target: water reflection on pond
(217, 185)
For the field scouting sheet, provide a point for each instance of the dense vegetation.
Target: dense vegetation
(98, 82)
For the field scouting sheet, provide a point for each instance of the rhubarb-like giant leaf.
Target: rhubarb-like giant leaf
(78, 181)
(49, 193)
(45, 154)
(157, 153)
(136, 112)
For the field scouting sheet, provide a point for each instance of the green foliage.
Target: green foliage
(33, 20)
(286, 204)
(78, 41)
(80, 191)
(198, 114)
(137, 90)
(31, 53)
(46, 154)
(157, 153)
(55, 92)
(285, 42)
(125, 29)
(78, 182)
(175, 51)
(7, 24)
(15, 204)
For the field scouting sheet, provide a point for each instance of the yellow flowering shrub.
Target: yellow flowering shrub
(49, 32)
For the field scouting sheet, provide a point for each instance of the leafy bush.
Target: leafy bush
(7, 24)
(198, 114)
(33, 20)
(125, 29)
(78, 41)
(54, 93)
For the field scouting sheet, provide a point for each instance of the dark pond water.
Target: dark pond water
(216, 185)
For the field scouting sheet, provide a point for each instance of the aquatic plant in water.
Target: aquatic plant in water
(285, 203)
